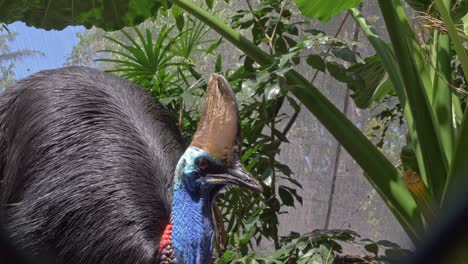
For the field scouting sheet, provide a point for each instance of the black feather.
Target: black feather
(86, 162)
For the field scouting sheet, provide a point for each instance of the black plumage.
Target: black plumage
(86, 162)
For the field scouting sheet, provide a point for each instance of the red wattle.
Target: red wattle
(165, 238)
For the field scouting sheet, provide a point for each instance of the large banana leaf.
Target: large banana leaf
(106, 14)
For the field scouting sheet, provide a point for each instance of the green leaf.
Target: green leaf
(388, 244)
(391, 65)
(459, 14)
(433, 158)
(442, 93)
(384, 89)
(345, 54)
(228, 256)
(459, 167)
(209, 3)
(249, 87)
(195, 74)
(280, 135)
(109, 15)
(327, 254)
(396, 255)
(272, 91)
(294, 104)
(267, 176)
(339, 72)
(294, 193)
(284, 169)
(316, 62)
(286, 59)
(213, 46)
(372, 248)
(180, 21)
(176, 11)
(324, 9)
(280, 46)
(218, 63)
(419, 5)
(455, 38)
(380, 172)
(286, 196)
(370, 82)
(465, 23)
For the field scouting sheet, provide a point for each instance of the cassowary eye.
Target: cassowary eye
(203, 164)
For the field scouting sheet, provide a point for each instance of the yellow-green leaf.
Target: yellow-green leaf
(325, 9)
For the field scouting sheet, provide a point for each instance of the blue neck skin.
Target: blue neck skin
(192, 230)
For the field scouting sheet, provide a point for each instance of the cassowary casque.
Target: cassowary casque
(94, 170)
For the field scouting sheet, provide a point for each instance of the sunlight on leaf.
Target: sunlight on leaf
(324, 10)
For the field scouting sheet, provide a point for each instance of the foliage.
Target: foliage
(8, 57)
(379, 170)
(436, 95)
(259, 99)
(89, 43)
(163, 63)
(389, 113)
(249, 216)
(135, 56)
(433, 111)
(261, 102)
(439, 93)
(321, 246)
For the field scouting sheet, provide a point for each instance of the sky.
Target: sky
(56, 46)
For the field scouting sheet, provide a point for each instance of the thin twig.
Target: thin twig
(270, 41)
(296, 114)
(257, 21)
(328, 51)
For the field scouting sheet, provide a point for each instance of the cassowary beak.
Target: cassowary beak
(238, 176)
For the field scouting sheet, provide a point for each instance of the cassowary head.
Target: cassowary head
(211, 162)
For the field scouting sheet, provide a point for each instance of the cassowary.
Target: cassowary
(94, 170)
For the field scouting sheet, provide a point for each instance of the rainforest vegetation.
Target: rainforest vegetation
(414, 85)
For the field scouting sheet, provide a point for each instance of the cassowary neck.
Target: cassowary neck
(192, 227)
